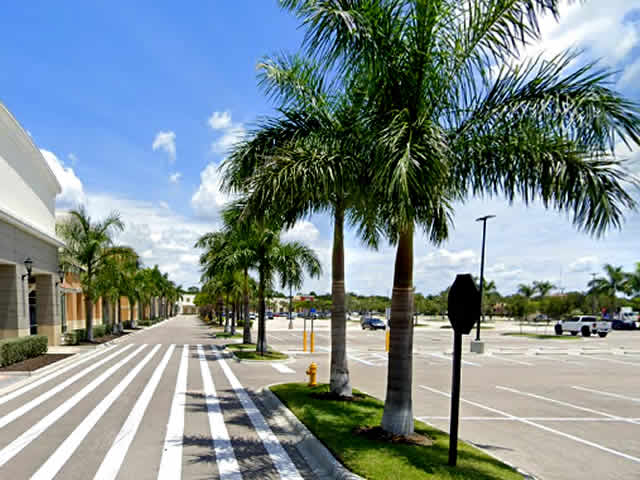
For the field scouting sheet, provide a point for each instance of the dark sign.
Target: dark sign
(464, 304)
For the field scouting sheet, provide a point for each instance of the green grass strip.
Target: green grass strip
(333, 423)
(541, 336)
(247, 351)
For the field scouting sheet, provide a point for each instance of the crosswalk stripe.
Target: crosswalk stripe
(27, 388)
(112, 461)
(171, 461)
(55, 462)
(15, 447)
(228, 468)
(279, 456)
(18, 412)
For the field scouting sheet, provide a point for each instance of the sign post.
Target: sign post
(464, 312)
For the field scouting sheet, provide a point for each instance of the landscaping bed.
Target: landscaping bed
(347, 428)
(247, 351)
(227, 335)
(32, 364)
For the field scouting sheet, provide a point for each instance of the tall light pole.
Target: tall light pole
(484, 237)
(593, 293)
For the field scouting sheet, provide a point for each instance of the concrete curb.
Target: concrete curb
(258, 362)
(317, 456)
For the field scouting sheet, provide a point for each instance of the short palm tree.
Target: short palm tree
(87, 247)
(445, 124)
(614, 282)
(543, 287)
(526, 291)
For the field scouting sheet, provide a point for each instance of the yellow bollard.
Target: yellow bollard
(386, 340)
(313, 342)
(304, 341)
(312, 371)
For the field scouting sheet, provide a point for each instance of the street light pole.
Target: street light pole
(593, 293)
(484, 237)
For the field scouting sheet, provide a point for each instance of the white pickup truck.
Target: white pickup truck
(584, 324)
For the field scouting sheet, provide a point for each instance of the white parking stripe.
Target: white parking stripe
(450, 359)
(279, 456)
(228, 468)
(171, 461)
(282, 368)
(559, 402)
(541, 427)
(56, 461)
(358, 359)
(18, 412)
(608, 394)
(16, 393)
(115, 456)
(611, 360)
(15, 447)
(511, 360)
(538, 419)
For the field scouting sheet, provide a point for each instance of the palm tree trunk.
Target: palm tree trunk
(398, 410)
(88, 305)
(226, 316)
(246, 329)
(339, 381)
(234, 318)
(290, 302)
(220, 310)
(261, 344)
(120, 315)
(132, 317)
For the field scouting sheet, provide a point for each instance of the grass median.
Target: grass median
(227, 335)
(247, 351)
(541, 336)
(335, 423)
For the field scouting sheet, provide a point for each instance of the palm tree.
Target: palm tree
(632, 283)
(307, 156)
(526, 291)
(614, 282)
(445, 125)
(543, 288)
(87, 247)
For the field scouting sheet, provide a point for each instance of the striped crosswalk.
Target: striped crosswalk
(92, 415)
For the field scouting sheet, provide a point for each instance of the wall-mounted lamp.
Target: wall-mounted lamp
(60, 276)
(28, 263)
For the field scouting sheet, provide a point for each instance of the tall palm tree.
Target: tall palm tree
(543, 287)
(614, 282)
(632, 283)
(446, 125)
(306, 155)
(87, 247)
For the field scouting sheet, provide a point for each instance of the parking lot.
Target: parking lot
(556, 408)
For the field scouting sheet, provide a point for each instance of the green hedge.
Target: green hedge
(100, 330)
(14, 350)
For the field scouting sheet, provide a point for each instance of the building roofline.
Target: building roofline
(12, 219)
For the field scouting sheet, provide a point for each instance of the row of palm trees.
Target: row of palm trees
(112, 272)
(246, 244)
(616, 280)
(396, 109)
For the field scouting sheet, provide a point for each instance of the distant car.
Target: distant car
(372, 323)
(623, 325)
(269, 315)
(584, 324)
(252, 316)
(541, 318)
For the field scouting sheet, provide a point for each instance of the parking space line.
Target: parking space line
(112, 461)
(464, 362)
(608, 394)
(16, 446)
(560, 402)
(277, 338)
(541, 427)
(533, 419)
(282, 368)
(56, 461)
(611, 360)
(357, 359)
(511, 360)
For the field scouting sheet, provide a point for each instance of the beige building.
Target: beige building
(29, 278)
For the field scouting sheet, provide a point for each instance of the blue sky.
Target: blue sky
(133, 104)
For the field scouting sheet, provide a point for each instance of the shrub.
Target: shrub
(144, 323)
(241, 323)
(108, 329)
(81, 334)
(14, 350)
(100, 330)
(127, 325)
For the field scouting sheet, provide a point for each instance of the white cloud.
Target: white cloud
(175, 177)
(629, 77)
(220, 120)
(584, 264)
(230, 137)
(166, 141)
(72, 190)
(209, 199)
(303, 231)
(73, 159)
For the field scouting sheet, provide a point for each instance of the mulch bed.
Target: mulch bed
(336, 397)
(31, 364)
(377, 433)
(104, 339)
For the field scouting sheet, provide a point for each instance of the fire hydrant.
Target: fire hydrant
(312, 371)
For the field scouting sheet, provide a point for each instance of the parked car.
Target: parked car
(269, 315)
(252, 316)
(372, 323)
(623, 324)
(583, 324)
